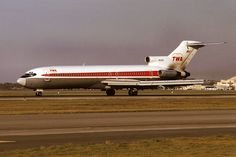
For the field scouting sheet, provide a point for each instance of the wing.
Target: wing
(132, 83)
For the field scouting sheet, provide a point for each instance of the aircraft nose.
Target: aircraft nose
(22, 81)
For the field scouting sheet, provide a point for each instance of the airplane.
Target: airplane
(160, 71)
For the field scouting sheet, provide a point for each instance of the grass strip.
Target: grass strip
(126, 104)
(210, 146)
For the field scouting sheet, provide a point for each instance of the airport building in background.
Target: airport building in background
(229, 84)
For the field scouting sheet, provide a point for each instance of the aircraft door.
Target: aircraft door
(46, 79)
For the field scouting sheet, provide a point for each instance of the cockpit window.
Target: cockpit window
(30, 74)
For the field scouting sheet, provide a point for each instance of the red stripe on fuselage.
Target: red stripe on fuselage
(104, 74)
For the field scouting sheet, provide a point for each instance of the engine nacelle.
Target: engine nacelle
(163, 61)
(173, 74)
(185, 74)
(150, 59)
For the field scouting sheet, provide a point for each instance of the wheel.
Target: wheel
(130, 92)
(39, 93)
(133, 92)
(110, 92)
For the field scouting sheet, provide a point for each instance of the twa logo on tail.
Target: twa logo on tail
(177, 59)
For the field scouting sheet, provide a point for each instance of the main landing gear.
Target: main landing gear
(110, 92)
(39, 92)
(131, 92)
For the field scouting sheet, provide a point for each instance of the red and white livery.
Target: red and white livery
(159, 71)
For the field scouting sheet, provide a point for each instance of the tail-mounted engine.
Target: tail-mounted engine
(173, 74)
(163, 61)
(150, 59)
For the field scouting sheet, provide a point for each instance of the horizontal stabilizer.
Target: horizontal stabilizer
(202, 44)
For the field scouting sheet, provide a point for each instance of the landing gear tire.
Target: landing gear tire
(39, 94)
(133, 92)
(110, 92)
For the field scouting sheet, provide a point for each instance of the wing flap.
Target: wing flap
(137, 83)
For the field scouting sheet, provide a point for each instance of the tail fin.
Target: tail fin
(184, 53)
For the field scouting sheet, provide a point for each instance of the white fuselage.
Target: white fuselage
(84, 76)
(171, 67)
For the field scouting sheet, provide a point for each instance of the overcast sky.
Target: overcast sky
(37, 33)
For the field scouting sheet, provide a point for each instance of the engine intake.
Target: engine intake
(149, 59)
(173, 74)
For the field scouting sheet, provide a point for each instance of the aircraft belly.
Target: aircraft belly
(57, 83)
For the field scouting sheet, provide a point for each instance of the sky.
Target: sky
(114, 32)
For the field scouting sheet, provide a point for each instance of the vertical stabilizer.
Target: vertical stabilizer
(184, 53)
(180, 57)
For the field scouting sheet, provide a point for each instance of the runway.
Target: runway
(24, 131)
(102, 97)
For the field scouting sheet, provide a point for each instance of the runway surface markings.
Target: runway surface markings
(97, 130)
(3, 142)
